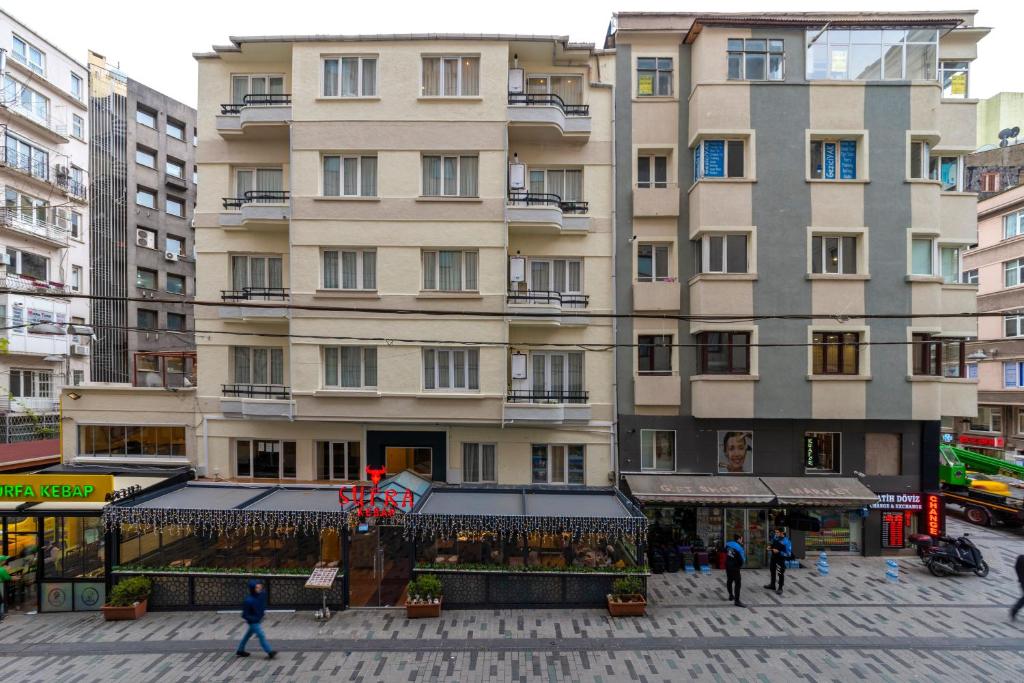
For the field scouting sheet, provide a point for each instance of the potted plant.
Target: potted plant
(627, 597)
(424, 597)
(128, 599)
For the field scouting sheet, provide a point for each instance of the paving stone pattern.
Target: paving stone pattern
(852, 625)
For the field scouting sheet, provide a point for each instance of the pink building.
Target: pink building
(996, 264)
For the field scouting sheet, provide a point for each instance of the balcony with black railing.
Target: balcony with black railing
(265, 304)
(264, 113)
(271, 391)
(255, 294)
(550, 406)
(257, 401)
(546, 212)
(254, 207)
(35, 166)
(547, 396)
(543, 307)
(543, 117)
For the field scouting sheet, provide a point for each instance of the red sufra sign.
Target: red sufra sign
(370, 501)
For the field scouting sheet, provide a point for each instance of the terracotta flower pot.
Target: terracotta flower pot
(127, 613)
(423, 611)
(633, 605)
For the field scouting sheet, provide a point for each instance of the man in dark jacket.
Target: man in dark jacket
(253, 609)
(782, 550)
(735, 558)
(1019, 567)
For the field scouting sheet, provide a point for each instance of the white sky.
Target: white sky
(153, 43)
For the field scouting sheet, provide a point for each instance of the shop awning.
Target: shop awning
(506, 510)
(698, 490)
(820, 491)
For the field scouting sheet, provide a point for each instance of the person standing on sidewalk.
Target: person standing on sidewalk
(5, 577)
(735, 558)
(782, 550)
(253, 609)
(1019, 568)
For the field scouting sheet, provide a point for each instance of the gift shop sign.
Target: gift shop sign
(370, 501)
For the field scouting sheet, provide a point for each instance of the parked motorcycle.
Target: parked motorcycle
(953, 556)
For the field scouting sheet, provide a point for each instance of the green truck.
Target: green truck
(988, 489)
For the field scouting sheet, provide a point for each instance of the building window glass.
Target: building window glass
(756, 59)
(350, 367)
(175, 129)
(145, 157)
(76, 278)
(174, 168)
(350, 269)
(836, 353)
(920, 160)
(1013, 374)
(989, 419)
(834, 254)
(31, 384)
(970, 277)
(724, 253)
(78, 126)
(718, 159)
(833, 159)
(175, 245)
(145, 278)
(724, 353)
(339, 460)
(265, 459)
(147, 320)
(990, 181)
(652, 262)
(350, 77)
(27, 101)
(175, 283)
(175, 207)
(450, 176)
(176, 322)
(450, 271)
(654, 354)
(32, 57)
(146, 198)
(124, 440)
(947, 170)
(654, 76)
(256, 85)
(1013, 272)
(921, 258)
(451, 76)
(27, 264)
(256, 271)
(652, 171)
(76, 86)
(478, 463)
(557, 464)
(822, 452)
(451, 369)
(29, 159)
(872, 54)
(259, 365)
(145, 117)
(954, 77)
(349, 176)
(1013, 324)
(1013, 224)
(658, 450)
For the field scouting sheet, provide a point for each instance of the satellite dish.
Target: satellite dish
(1015, 131)
(1006, 133)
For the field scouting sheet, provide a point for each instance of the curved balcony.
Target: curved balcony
(538, 212)
(540, 307)
(546, 116)
(265, 114)
(255, 208)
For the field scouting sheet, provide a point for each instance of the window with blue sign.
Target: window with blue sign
(718, 159)
(833, 160)
(945, 169)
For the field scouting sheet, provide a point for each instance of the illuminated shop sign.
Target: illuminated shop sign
(46, 488)
(370, 501)
(898, 501)
(987, 441)
(934, 514)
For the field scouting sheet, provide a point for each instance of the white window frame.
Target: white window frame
(249, 258)
(248, 84)
(39, 383)
(25, 57)
(1017, 320)
(76, 224)
(564, 480)
(550, 358)
(252, 457)
(252, 364)
(823, 236)
(838, 465)
(652, 181)
(548, 184)
(170, 164)
(31, 158)
(367, 379)
(458, 174)
(768, 53)
(151, 193)
(1015, 266)
(476, 451)
(170, 124)
(653, 454)
(924, 172)
(340, 274)
(441, 75)
(969, 277)
(77, 126)
(936, 173)
(933, 250)
(820, 38)
(434, 354)
(341, 175)
(705, 251)
(992, 425)
(146, 112)
(77, 86)
(76, 278)
(434, 284)
(550, 261)
(657, 71)
(655, 246)
(943, 70)
(1018, 224)
(360, 85)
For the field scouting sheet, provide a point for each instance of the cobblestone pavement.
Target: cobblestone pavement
(852, 625)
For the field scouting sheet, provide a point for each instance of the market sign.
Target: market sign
(812, 454)
(368, 501)
(934, 514)
(49, 488)
(988, 441)
(898, 501)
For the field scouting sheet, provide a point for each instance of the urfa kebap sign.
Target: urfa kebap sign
(48, 488)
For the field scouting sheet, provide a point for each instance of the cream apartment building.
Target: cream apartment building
(44, 255)
(411, 240)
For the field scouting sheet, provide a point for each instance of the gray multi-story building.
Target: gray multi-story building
(143, 147)
(780, 179)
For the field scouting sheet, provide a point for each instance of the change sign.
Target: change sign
(48, 488)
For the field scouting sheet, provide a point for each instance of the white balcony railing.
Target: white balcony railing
(29, 223)
(30, 285)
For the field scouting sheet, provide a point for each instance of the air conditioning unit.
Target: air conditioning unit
(5, 259)
(145, 238)
(171, 255)
(79, 350)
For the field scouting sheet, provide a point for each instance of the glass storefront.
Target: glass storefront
(20, 544)
(549, 551)
(841, 532)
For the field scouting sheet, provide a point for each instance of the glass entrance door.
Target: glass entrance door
(380, 566)
(753, 526)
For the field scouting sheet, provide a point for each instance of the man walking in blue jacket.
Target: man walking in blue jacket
(253, 609)
(735, 558)
(782, 550)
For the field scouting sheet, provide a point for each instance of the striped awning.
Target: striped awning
(687, 489)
